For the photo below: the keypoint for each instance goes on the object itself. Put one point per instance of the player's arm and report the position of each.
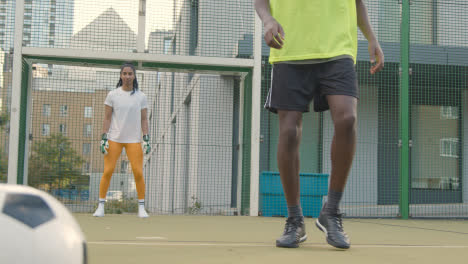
(105, 128)
(375, 52)
(144, 128)
(274, 33)
(144, 121)
(107, 119)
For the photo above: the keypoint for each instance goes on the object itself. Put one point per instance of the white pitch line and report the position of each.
(408, 246)
(179, 244)
(152, 238)
(197, 244)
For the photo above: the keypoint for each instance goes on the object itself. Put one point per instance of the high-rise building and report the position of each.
(47, 23)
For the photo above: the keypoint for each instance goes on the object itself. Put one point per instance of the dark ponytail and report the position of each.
(135, 82)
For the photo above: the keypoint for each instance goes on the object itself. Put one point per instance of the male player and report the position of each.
(313, 52)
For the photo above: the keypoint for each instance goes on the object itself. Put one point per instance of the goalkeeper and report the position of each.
(125, 121)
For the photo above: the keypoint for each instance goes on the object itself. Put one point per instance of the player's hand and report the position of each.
(376, 56)
(146, 144)
(104, 144)
(274, 33)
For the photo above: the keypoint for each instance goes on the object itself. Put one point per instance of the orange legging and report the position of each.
(134, 154)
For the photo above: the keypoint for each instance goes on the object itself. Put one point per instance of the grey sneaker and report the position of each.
(332, 225)
(294, 233)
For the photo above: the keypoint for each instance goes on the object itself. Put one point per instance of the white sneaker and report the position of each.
(99, 211)
(142, 212)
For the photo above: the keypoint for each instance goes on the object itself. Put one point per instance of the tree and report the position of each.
(3, 167)
(54, 164)
(4, 118)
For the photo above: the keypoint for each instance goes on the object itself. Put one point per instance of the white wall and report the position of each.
(465, 146)
(194, 145)
(198, 163)
(452, 23)
(222, 25)
(215, 142)
(361, 188)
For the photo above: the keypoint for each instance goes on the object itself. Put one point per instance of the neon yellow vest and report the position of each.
(315, 29)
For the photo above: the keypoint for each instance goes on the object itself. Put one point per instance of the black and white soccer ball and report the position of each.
(36, 228)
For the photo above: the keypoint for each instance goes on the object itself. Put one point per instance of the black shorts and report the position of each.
(294, 86)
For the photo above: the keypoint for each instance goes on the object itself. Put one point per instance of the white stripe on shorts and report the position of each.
(268, 100)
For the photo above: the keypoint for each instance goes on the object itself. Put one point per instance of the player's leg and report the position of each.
(340, 85)
(290, 133)
(290, 95)
(113, 154)
(135, 155)
(343, 110)
(344, 115)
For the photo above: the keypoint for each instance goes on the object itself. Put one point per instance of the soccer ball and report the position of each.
(36, 228)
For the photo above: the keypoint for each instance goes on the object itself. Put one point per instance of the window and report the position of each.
(63, 129)
(86, 148)
(174, 46)
(449, 147)
(88, 111)
(46, 110)
(88, 130)
(26, 35)
(167, 46)
(45, 129)
(193, 27)
(86, 167)
(449, 112)
(63, 110)
(51, 42)
(123, 166)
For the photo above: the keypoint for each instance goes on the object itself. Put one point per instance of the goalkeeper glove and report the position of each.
(146, 144)
(104, 144)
